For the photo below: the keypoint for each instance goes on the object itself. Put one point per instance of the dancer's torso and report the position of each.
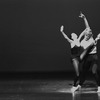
(75, 49)
(85, 44)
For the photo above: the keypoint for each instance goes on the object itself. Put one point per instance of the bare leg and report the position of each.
(85, 52)
(76, 67)
(75, 64)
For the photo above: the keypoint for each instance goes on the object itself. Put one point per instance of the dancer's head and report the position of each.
(73, 36)
(88, 34)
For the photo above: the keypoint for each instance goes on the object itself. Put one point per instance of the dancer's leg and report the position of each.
(96, 76)
(94, 69)
(76, 67)
(76, 64)
(85, 52)
(85, 68)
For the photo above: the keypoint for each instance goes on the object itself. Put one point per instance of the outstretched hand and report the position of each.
(98, 36)
(62, 28)
(81, 15)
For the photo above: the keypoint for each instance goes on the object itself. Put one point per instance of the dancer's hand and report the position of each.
(98, 36)
(82, 15)
(62, 28)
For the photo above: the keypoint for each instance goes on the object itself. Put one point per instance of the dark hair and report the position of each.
(70, 36)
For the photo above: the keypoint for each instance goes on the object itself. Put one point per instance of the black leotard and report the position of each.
(75, 51)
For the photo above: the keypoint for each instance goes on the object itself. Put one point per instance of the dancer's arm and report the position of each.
(86, 24)
(65, 36)
(81, 35)
(85, 20)
(97, 38)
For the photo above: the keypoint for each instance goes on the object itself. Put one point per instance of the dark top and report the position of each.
(75, 51)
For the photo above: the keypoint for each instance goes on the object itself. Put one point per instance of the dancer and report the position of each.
(91, 58)
(90, 61)
(75, 51)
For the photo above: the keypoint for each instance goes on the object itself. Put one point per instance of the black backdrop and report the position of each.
(30, 38)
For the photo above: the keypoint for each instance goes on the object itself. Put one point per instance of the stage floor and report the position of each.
(46, 89)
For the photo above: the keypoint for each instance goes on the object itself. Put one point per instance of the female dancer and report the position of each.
(75, 50)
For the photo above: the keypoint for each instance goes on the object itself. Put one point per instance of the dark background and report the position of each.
(30, 37)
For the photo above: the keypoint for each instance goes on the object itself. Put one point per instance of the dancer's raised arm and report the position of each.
(82, 34)
(66, 37)
(85, 20)
(87, 29)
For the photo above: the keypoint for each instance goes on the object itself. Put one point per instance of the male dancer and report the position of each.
(91, 58)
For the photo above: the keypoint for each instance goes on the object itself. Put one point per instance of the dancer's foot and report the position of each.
(98, 89)
(75, 88)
